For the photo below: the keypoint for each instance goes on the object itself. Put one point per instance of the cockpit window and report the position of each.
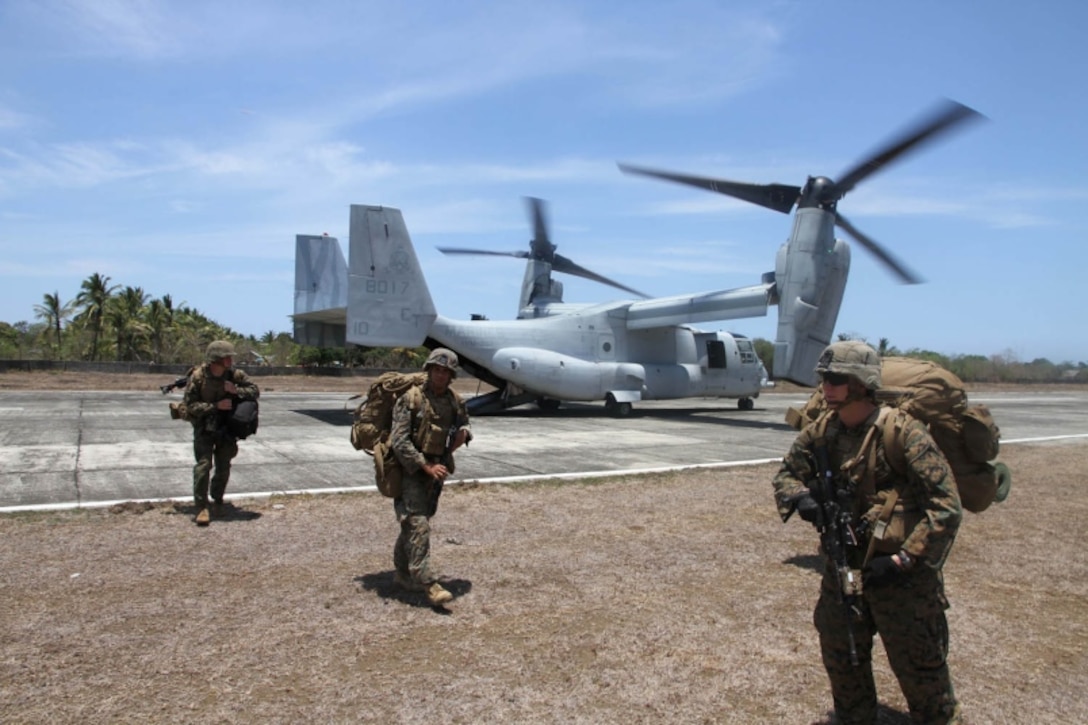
(747, 352)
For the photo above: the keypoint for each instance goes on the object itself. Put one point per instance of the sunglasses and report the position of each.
(835, 378)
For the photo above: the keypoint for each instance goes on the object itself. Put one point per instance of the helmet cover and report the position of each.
(854, 358)
(218, 350)
(443, 358)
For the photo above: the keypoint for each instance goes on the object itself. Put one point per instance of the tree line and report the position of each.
(1000, 368)
(111, 322)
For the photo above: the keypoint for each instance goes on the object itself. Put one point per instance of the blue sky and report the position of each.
(180, 146)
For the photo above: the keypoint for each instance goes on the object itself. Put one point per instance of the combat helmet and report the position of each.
(853, 358)
(443, 358)
(218, 350)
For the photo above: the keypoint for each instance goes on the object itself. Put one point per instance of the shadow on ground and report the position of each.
(806, 561)
(226, 513)
(585, 411)
(381, 583)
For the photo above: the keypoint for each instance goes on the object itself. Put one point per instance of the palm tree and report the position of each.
(126, 316)
(160, 322)
(55, 315)
(195, 331)
(94, 293)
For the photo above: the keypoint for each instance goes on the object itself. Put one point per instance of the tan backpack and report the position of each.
(966, 434)
(372, 423)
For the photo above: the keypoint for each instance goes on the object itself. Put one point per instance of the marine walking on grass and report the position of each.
(430, 422)
(884, 536)
(213, 393)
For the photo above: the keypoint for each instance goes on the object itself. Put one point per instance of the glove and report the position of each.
(807, 508)
(881, 570)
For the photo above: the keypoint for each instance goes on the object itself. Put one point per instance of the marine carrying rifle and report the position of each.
(834, 523)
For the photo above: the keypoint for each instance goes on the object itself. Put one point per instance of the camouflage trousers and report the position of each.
(908, 614)
(210, 449)
(417, 504)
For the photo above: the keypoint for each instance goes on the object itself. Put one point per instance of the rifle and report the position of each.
(178, 382)
(451, 434)
(836, 535)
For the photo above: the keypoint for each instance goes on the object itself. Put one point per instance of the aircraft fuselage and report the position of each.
(588, 354)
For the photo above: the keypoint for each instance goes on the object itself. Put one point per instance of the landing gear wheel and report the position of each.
(549, 405)
(745, 404)
(620, 410)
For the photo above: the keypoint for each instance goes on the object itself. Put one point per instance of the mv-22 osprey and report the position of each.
(619, 352)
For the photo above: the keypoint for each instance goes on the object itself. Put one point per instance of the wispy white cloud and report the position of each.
(995, 206)
(12, 119)
(692, 53)
(113, 266)
(141, 29)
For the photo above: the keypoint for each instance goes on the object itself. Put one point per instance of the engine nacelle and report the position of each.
(810, 274)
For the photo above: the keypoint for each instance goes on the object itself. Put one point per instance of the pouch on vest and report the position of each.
(178, 411)
(388, 473)
(889, 535)
(981, 436)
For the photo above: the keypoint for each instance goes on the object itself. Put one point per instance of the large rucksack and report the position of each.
(966, 434)
(372, 423)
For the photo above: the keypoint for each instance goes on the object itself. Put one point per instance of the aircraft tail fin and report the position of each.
(389, 304)
(321, 291)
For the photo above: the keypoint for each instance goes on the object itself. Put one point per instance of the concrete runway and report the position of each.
(69, 449)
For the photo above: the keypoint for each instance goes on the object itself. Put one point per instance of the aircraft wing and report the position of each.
(704, 307)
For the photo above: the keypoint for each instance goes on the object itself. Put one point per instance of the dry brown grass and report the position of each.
(665, 598)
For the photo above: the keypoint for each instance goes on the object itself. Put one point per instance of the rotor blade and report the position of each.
(458, 250)
(562, 264)
(541, 242)
(559, 264)
(779, 197)
(948, 115)
(905, 275)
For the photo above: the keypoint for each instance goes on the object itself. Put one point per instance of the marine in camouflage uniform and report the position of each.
(428, 426)
(209, 397)
(902, 597)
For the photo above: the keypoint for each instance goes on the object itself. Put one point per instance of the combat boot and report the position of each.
(437, 594)
(203, 517)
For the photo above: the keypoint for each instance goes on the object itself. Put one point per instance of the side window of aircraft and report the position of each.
(715, 354)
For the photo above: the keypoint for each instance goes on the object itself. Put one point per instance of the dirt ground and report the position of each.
(662, 598)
